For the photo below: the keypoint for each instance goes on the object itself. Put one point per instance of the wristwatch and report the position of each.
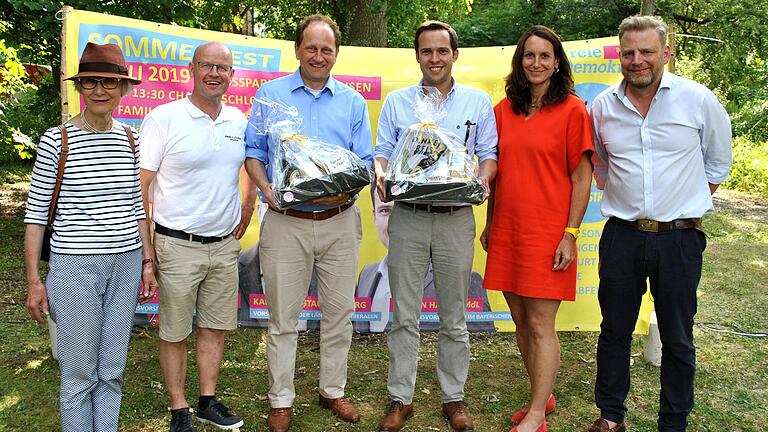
(573, 231)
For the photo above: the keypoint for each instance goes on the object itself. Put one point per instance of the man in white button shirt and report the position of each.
(192, 150)
(663, 146)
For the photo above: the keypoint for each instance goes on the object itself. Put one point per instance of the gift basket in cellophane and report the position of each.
(305, 168)
(429, 162)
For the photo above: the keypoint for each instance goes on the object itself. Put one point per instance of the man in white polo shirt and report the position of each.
(192, 152)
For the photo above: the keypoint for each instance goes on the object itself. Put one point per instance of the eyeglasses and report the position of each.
(207, 67)
(107, 83)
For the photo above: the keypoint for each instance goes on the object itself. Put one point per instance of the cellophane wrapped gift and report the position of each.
(430, 163)
(305, 168)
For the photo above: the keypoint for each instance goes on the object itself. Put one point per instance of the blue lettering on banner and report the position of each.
(311, 315)
(149, 308)
(488, 316)
(366, 316)
(144, 46)
(258, 314)
(377, 316)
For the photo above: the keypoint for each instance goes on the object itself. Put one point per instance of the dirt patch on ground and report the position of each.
(743, 205)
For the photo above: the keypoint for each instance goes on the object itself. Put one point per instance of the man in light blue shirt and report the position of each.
(441, 234)
(664, 146)
(324, 233)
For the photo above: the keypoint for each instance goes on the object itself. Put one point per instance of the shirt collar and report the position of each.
(451, 92)
(192, 109)
(666, 82)
(297, 82)
(382, 268)
(196, 112)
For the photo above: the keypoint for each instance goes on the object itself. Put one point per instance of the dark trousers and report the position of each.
(671, 261)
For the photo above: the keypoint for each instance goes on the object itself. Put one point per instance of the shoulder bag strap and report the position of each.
(130, 139)
(59, 175)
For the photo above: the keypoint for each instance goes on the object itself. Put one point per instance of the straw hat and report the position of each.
(103, 61)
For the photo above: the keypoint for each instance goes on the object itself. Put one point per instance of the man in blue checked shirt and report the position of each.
(443, 234)
(324, 234)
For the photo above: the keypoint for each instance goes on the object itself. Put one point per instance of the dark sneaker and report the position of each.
(181, 421)
(218, 415)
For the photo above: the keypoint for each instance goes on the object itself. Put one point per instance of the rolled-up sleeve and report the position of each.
(43, 178)
(715, 140)
(256, 145)
(362, 137)
(152, 144)
(487, 141)
(138, 203)
(600, 158)
(387, 133)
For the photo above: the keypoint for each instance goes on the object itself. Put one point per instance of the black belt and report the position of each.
(650, 225)
(186, 236)
(317, 215)
(432, 208)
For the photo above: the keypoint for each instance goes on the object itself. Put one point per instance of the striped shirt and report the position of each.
(100, 197)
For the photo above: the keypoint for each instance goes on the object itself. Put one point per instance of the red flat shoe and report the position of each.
(542, 428)
(548, 409)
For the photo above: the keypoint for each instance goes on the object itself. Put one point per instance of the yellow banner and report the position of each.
(159, 55)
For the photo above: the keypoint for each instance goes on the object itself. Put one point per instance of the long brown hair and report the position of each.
(560, 85)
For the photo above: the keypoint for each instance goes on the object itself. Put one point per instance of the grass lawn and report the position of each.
(731, 384)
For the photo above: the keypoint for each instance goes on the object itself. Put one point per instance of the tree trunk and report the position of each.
(366, 23)
(647, 7)
(247, 14)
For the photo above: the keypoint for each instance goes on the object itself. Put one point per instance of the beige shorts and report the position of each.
(199, 279)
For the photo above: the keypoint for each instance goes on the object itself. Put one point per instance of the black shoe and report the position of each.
(181, 421)
(218, 415)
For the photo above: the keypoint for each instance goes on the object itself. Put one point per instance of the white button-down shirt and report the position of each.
(659, 166)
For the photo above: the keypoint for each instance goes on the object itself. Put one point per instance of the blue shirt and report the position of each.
(470, 117)
(338, 115)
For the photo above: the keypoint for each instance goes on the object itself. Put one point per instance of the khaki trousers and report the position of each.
(288, 250)
(415, 238)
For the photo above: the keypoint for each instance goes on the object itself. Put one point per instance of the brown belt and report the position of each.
(318, 215)
(432, 208)
(650, 225)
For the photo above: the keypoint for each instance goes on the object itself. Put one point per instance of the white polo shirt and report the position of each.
(197, 161)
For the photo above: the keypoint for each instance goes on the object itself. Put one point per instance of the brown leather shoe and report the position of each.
(397, 414)
(458, 415)
(342, 408)
(601, 425)
(279, 419)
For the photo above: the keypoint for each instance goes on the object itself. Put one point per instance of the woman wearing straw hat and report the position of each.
(96, 256)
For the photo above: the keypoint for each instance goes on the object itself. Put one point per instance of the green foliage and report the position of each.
(30, 113)
(13, 82)
(501, 22)
(733, 65)
(34, 26)
(749, 171)
(278, 18)
(404, 16)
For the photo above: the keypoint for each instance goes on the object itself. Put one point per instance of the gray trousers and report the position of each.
(415, 238)
(92, 299)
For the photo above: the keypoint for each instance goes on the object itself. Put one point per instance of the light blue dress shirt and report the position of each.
(469, 116)
(336, 115)
(659, 166)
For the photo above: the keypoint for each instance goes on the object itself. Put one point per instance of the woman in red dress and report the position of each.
(536, 206)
